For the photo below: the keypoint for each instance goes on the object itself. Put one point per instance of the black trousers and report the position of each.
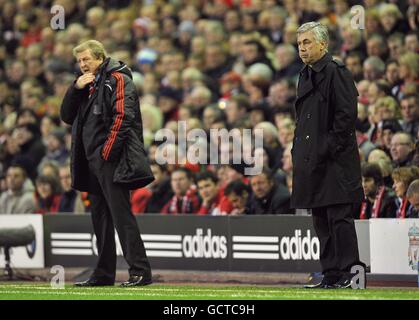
(111, 208)
(335, 228)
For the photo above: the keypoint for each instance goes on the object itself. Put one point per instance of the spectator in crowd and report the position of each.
(47, 195)
(269, 197)
(412, 195)
(386, 130)
(168, 102)
(238, 194)
(236, 110)
(403, 177)
(152, 198)
(213, 199)
(288, 64)
(402, 149)
(381, 158)
(379, 200)
(18, 198)
(185, 199)
(374, 68)
(56, 150)
(30, 145)
(71, 200)
(353, 62)
(410, 114)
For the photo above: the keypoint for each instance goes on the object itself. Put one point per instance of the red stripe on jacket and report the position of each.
(120, 110)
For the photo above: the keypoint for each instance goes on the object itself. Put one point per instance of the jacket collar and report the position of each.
(320, 64)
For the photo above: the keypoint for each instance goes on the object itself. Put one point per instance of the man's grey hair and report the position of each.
(319, 30)
(288, 47)
(376, 63)
(413, 189)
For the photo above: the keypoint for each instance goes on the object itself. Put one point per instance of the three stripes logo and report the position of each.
(77, 244)
(252, 247)
(163, 245)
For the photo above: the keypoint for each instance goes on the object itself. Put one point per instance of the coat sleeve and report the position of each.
(344, 114)
(71, 103)
(123, 112)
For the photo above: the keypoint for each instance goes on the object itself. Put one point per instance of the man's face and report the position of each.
(370, 188)
(309, 49)
(213, 57)
(207, 189)
(180, 183)
(232, 112)
(278, 94)
(411, 42)
(386, 137)
(396, 48)
(400, 147)
(410, 109)
(261, 185)
(374, 47)
(44, 190)
(399, 188)
(354, 65)
(370, 73)
(15, 178)
(392, 73)
(65, 178)
(250, 52)
(157, 173)
(87, 62)
(209, 117)
(238, 202)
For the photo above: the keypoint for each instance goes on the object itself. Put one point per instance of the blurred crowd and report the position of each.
(213, 64)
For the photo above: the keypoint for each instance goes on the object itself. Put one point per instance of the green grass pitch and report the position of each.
(42, 291)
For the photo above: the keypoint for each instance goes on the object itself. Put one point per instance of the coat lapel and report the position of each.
(305, 85)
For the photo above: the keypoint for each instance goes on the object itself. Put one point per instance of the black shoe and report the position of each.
(137, 281)
(321, 282)
(94, 282)
(344, 283)
(320, 285)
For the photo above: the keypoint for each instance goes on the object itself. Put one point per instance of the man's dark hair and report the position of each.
(237, 187)
(268, 173)
(372, 170)
(241, 100)
(52, 181)
(19, 166)
(259, 46)
(410, 96)
(189, 173)
(354, 54)
(207, 175)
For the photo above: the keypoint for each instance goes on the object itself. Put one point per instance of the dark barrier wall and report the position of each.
(186, 242)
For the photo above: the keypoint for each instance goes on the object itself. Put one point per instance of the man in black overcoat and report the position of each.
(327, 172)
(108, 159)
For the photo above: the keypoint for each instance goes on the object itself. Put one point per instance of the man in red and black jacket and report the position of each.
(379, 200)
(108, 158)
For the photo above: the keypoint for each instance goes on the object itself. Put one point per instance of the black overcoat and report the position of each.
(326, 162)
